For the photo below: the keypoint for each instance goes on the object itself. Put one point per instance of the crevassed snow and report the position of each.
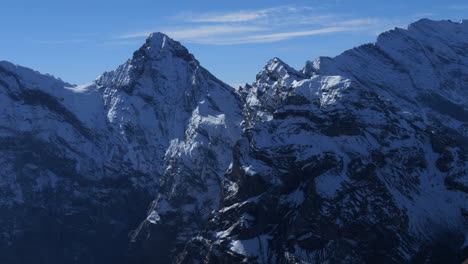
(252, 247)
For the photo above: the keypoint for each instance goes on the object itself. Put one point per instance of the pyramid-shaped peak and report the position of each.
(158, 39)
(159, 44)
(276, 69)
(279, 66)
(157, 35)
(275, 62)
(159, 53)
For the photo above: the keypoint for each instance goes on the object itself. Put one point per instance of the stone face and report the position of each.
(346, 161)
(82, 164)
(361, 158)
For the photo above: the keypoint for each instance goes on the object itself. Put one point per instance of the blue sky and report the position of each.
(79, 40)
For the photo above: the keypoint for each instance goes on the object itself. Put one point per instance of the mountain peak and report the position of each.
(159, 44)
(428, 29)
(159, 160)
(276, 69)
(157, 37)
(157, 40)
(275, 63)
(434, 23)
(158, 51)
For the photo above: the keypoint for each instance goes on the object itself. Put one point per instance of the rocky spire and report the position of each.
(276, 69)
(159, 54)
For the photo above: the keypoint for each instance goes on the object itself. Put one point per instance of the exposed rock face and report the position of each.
(82, 164)
(355, 159)
(361, 158)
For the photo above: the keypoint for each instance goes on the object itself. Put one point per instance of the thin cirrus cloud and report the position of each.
(199, 32)
(358, 22)
(231, 17)
(241, 16)
(266, 38)
(259, 26)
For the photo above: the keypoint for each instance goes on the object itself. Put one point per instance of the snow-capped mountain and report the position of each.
(82, 164)
(361, 158)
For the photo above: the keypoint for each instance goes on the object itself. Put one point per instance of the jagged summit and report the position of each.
(399, 46)
(157, 38)
(426, 22)
(275, 61)
(160, 54)
(360, 158)
(277, 65)
(276, 69)
(424, 29)
(159, 44)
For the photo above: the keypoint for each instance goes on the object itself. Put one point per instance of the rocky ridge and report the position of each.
(360, 158)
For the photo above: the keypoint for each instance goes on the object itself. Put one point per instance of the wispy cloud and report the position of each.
(134, 35)
(287, 35)
(207, 31)
(241, 16)
(268, 38)
(123, 42)
(199, 32)
(357, 22)
(262, 25)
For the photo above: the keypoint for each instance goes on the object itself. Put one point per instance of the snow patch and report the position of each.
(251, 247)
(328, 184)
(153, 217)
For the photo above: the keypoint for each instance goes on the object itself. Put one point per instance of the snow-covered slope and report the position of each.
(81, 164)
(361, 158)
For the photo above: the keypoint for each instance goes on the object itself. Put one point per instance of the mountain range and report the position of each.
(360, 158)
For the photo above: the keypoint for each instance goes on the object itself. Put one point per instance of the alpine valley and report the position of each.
(360, 158)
